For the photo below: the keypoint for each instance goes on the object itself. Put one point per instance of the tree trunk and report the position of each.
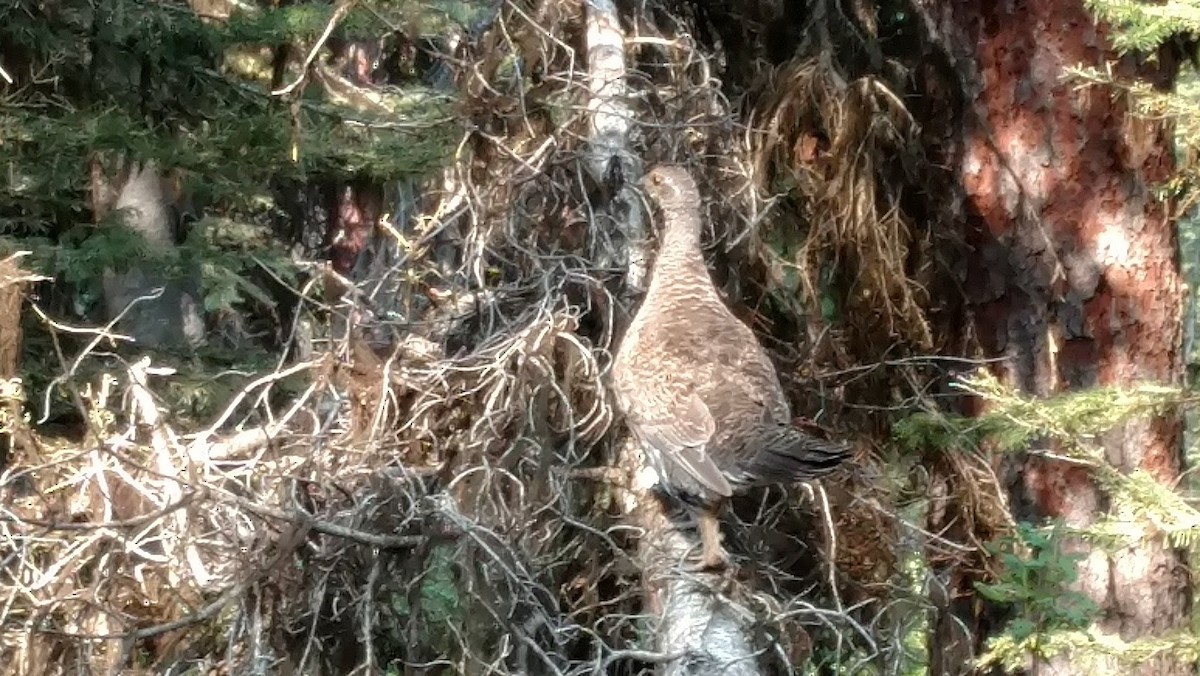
(14, 282)
(1074, 277)
(145, 196)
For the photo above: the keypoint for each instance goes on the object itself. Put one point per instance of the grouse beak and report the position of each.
(651, 179)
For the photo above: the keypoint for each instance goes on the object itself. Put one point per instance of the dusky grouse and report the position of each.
(697, 390)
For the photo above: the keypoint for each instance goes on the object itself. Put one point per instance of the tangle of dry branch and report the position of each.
(440, 496)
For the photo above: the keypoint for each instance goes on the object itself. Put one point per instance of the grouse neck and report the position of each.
(681, 239)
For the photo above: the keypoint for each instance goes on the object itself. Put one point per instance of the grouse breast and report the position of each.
(696, 387)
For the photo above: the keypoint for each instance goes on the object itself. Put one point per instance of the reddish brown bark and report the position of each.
(357, 204)
(356, 209)
(1074, 276)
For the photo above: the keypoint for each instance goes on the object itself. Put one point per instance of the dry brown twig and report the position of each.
(438, 503)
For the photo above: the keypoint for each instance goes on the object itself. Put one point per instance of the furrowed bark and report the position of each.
(1074, 278)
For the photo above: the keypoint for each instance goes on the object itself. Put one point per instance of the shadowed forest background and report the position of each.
(307, 310)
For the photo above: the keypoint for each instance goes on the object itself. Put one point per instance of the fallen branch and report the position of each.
(121, 524)
(310, 523)
(705, 630)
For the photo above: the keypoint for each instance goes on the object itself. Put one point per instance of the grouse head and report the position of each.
(675, 193)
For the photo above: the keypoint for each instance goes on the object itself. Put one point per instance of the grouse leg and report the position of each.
(713, 556)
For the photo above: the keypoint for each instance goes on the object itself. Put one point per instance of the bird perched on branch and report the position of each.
(697, 390)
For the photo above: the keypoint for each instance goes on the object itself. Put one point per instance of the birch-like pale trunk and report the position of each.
(698, 632)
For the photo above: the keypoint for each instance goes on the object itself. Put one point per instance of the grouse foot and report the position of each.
(713, 557)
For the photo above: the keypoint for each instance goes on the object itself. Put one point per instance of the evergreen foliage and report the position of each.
(157, 81)
(1143, 26)
(1035, 575)
(1146, 29)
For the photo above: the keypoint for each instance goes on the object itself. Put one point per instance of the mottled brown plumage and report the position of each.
(696, 388)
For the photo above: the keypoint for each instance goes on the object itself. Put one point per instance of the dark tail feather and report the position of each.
(783, 454)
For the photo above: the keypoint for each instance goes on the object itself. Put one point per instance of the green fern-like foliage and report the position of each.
(1035, 577)
(441, 605)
